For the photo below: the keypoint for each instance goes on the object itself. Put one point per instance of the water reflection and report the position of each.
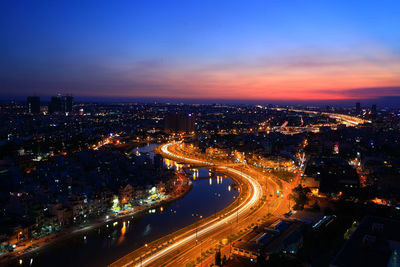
(147, 230)
(108, 242)
(123, 231)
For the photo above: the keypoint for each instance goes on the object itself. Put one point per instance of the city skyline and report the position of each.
(203, 51)
(199, 133)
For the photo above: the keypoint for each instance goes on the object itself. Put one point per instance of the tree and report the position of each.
(299, 195)
(218, 258)
(224, 260)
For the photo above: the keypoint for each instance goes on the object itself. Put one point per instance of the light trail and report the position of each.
(352, 120)
(165, 147)
(251, 200)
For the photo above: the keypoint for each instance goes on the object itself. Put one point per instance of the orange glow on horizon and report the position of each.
(329, 76)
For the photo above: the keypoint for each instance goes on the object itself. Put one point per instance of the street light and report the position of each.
(200, 217)
(230, 245)
(19, 235)
(201, 255)
(141, 262)
(237, 207)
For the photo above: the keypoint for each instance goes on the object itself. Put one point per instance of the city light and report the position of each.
(200, 133)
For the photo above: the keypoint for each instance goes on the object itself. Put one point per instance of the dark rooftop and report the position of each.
(372, 244)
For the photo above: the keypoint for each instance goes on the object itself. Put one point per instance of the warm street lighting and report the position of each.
(200, 217)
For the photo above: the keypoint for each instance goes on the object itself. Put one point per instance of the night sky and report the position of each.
(237, 50)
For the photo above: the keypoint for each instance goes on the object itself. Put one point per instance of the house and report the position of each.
(125, 194)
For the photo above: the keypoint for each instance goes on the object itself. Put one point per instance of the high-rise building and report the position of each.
(33, 104)
(179, 123)
(55, 104)
(358, 108)
(61, 104)
(68, 103)
(373, 109)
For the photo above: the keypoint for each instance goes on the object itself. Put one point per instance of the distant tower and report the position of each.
(62, 104)
(373, 109)
(33, 104)
(68, 102)
(55, 104)
(358, 108)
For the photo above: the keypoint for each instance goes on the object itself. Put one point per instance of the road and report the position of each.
(345, 119)
(190, 245)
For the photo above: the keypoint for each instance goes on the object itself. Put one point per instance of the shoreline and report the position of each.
(153, 246)
(50, 240)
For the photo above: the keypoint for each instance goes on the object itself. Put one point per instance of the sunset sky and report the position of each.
(239, 50)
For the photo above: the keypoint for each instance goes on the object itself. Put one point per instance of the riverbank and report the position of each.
(109, 242)
(36, 245)
(152, 247)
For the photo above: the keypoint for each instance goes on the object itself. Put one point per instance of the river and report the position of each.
(104, 244)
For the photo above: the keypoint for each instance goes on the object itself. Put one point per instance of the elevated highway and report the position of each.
(188, 246)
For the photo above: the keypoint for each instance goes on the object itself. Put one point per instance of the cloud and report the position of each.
(305, 75)
(365, 93)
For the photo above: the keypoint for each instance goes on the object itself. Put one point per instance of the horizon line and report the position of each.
(387, 101)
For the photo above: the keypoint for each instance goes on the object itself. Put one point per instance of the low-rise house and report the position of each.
(125, 194)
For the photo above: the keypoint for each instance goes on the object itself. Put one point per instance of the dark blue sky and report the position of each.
(267, 50)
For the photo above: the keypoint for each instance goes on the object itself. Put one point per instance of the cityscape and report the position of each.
(200, 133)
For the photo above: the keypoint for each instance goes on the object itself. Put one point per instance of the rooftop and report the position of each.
(375, 242)
(269, 238)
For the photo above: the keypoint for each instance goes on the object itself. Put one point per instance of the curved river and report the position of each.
(104, 244)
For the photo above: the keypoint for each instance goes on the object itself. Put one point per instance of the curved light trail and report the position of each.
(346, 119)
(245, 206)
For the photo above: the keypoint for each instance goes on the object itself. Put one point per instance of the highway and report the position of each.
(216, 224)
(345, 119)
(187, 247)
